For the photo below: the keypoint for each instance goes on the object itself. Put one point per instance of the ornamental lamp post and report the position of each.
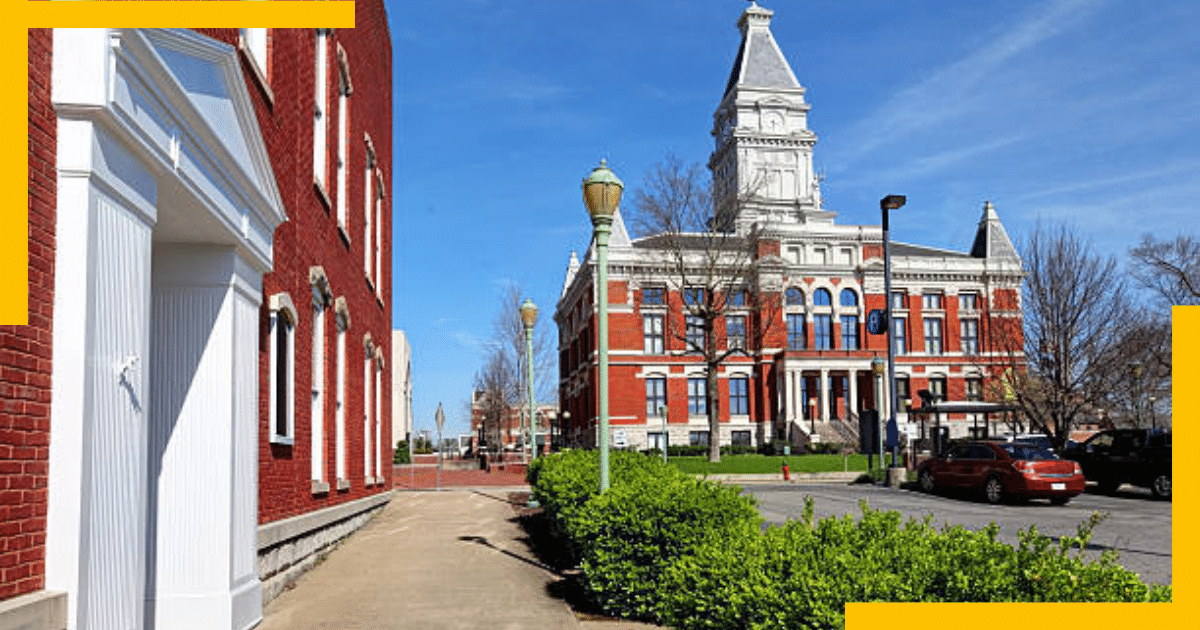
(601, 195)
(529, 318)
(1153, 416)
(878, 366)
(1136, 370)
(565, 419)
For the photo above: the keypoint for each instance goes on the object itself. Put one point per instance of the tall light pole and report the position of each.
(886, 205)
(601, 195)
(529, 318)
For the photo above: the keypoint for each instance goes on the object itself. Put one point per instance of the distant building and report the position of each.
(401, 388)
(203, 208)
(809, 378)
(506, 428)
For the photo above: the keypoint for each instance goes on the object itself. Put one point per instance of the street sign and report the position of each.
(440, 418)
(620, 439)
(877, 321)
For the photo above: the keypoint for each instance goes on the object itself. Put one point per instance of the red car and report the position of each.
(1003, 471)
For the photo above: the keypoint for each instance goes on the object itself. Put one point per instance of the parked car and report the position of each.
(1003, 470)
(1141, 457)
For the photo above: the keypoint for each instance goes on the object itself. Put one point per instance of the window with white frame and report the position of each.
(793, 297)
(321, 111)
(973, 389)
(849, 332)
(282, 326)
(343, 325)
(343, 142)
(652, 334)
(368, 430)
(317, 417)
(694, 333)
(968, 301)
(739, 395)
(937, 387)
(697, 396)
(822, 331)
(368, 211)
(656, 395)
(254, 41)
(931, 301)
(735, 331)
(740, 438)
(693, 296)
(970, 335)
(795, 331)
(933, 335)
(653, 296)
(698, 438)
(379, 450)
(379, 236)
(899, 333)
(899, 300)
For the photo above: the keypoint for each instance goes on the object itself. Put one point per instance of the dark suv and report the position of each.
(1141, 457)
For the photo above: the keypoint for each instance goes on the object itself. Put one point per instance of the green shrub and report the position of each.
(632, 534)
(400, 456)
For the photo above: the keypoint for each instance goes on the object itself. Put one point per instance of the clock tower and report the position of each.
(762, 164)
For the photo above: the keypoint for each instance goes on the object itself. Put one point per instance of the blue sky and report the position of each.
(1082, 111)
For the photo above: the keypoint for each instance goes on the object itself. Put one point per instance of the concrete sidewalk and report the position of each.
(429, 560)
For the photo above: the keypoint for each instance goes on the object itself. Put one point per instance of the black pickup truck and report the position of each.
(1141, 457)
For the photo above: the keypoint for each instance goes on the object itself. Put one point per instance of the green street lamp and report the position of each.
(878, 366)
(529, 318)
(886, 205)
(1136, 370)
(601, 195)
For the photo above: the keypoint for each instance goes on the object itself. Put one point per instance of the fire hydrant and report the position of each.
(786, 471)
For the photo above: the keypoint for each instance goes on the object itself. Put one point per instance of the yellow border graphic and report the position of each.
(14, 289)
(14, 219)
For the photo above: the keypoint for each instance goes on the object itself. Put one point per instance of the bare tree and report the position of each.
(502, 383)
(493, 388)
(1076, 314)
(1170, 269)
(715, 270)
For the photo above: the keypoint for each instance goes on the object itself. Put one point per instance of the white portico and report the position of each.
(167, 205)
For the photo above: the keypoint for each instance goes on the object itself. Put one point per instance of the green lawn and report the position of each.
(745, 464)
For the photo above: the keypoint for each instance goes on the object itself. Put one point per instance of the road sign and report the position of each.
(440, 418)
(877, 321)
(620, 439)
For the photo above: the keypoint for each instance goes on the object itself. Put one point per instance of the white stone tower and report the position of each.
(762, 164)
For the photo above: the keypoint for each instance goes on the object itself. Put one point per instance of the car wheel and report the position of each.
(993, 490)
(926, 481)
(1161, 486)
(1059, 500)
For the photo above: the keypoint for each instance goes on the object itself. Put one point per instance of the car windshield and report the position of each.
(1027, 452)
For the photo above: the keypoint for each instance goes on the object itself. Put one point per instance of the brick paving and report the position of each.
(425, 477)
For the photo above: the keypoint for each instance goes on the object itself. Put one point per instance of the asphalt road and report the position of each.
(1138, 527)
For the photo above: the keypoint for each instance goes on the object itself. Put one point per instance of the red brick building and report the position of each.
(209, 271)
(807, 287)
(508, 431)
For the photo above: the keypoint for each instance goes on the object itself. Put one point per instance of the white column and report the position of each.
(203, 486)
(95, 522)
(852, 403)
(823, 388)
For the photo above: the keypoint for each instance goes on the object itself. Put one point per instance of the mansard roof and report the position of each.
(991, 239)
(760, 63)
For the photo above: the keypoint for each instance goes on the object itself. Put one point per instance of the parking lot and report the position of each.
(1138, 526)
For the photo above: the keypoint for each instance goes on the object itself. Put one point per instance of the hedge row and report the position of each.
(662, 546)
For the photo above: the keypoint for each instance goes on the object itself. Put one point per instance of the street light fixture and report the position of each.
(529, 318)
(601, 195)
(887, 204)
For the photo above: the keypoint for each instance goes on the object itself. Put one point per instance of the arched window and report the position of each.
(793, 297)
(849, 297)
(821, 297)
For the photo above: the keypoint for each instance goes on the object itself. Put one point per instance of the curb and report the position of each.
(797, 478)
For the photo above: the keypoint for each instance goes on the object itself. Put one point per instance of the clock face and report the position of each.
(877, 321)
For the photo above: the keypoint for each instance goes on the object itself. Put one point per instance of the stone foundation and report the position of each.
(288, 548)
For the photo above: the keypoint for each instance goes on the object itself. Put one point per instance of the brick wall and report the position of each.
(25, 355)
(311, 237)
